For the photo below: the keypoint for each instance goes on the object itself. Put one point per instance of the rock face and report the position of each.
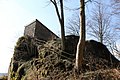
(34, 59)
(99, 50)
(25, 50)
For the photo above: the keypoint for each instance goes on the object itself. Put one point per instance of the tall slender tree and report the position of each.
(100, 23)
(81, 43)
(61, 20)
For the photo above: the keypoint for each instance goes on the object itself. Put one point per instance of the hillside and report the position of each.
(35, 59)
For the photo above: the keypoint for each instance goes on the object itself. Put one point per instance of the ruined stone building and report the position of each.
(37, 30)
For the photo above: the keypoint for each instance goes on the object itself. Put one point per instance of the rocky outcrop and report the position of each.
(38, 60)
(24, 52)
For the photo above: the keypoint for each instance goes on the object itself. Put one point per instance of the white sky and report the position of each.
(14, 15)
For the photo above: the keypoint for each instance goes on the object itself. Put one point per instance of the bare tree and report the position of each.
(101, 26)
(81, 43)
(100, 23)
(116, 6)
(73, 25)
(60, 15)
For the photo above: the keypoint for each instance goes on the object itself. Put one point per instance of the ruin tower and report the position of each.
(37, 30)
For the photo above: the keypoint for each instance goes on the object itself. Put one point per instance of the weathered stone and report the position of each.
(37, 30)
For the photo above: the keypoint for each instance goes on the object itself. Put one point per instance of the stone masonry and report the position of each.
(37, 30)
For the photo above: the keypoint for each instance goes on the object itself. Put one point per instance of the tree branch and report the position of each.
(56, 8)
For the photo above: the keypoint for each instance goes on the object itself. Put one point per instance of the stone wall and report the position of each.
(43, 33)
(38, 30)
(30, 29)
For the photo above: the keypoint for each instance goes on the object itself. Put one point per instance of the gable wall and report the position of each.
(43, 32)
(30, 29)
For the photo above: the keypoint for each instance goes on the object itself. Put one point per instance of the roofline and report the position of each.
(31, 22)
(36, 20)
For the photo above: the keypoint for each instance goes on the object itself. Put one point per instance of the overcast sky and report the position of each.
(14, 15)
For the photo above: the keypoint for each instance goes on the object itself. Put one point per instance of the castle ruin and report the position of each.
(37, 30)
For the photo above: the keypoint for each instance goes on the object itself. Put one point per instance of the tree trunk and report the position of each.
(61, 20)
(62, 25)
(81, 43)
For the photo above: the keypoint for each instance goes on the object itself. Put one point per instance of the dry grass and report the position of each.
(3, 77)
